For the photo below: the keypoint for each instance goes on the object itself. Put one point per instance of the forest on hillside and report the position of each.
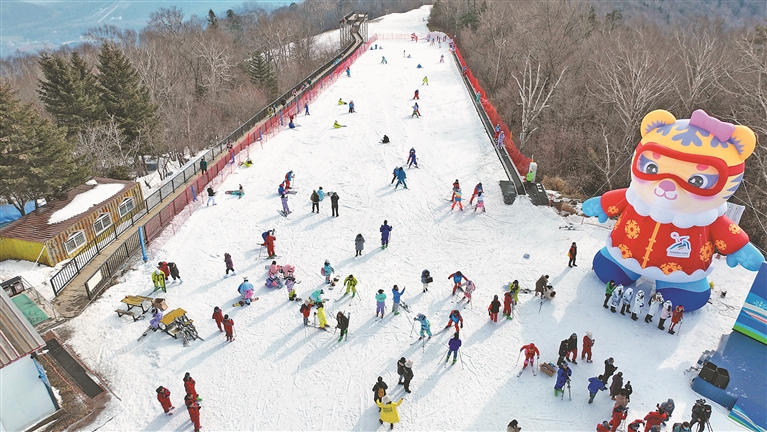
(573, 85)
(163, 92)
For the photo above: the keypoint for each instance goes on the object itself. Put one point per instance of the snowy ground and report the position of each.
(278, 375)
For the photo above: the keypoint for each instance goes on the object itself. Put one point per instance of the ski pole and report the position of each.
(412, 328)
(460, 357)
(518, 355)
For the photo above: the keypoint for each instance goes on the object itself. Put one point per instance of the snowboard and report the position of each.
(334, 281)
(233, 192)
(244, 303)
(568, 227)
(296, 299)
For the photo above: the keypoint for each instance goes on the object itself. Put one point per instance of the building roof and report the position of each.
(36, 226)
(17, 336)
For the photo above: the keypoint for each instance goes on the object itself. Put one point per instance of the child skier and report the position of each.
(246, 291)
(563, 377)
(655, 303)
(626, 300)
(174, 272)
(480, 203)
(416, 111)
(508, 299)
(425, 81)
(457, 199)
(572, 253)
(411, 159)
(493, 309)
(665, 313)
(531, 354)
(454, 345)
(415, 95)
(477, 191)
(588, 342)
(326, 271)
(315, 297)
(389, 413)
(163, 396)
(676, 318)
(426, 279)
(288, 179)
(455, 319)
(359, 244)
(228, 328)
(638, 304)
(385, 232)
(425, 325)
(351, 284)
(218, 315)
(342, 323)
(456, 186)
(470, 287)
(351, 107)
(229, 264)
(595, 385)
(285, 209)
(401, 176)
(457, 280)
(306, 309)
(380, 303)
(348, 72)
(396, 294)
(337, 125)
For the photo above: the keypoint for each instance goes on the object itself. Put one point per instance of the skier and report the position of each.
(531, 353)
(615, 298)
(246, 291)
(595, 385)
(654, 418)
(497, 129)
(383, 60)
(351, 107)
(203, 166)
(567, 347)
(454, 344)
(321, 315)
(385, 233)
(158, 278)
(456, 186)
(348, 72)
(281, 189)
(163, 266)
(456, 200)
(415, 95)
(477, 190)
(359, 244)
(411, 159)
(342, 322)
(442, 58)
(501, 138)
(290, 280)
(665, 313)
(676, 318)
(389, 413)
(408, 375)
(351, 284)
(508, 299)
(416, 111)
(426, 279)
(619, 414)
(588, 342)
(315, 296)
(189, 384)
(229, 263)
(655, 303)
(572, 254)
(396, 294)
(609, 370)
(470, 288)
(379, 390)
(337, 125)
(455, 319)
(493, 309)
(394, 175)
(211, 197)
(616, 385)
(701, 412)
(334, 204)
(285, 209)
(608, 292)
(637, 305)
(480, 203)
(288, 179)
(425, 80)
(315, 198)
(563, 377)
(540, 285)
(174, 272)
(380, 303)
(327, 270)
(229, 328)
(626, 299)
(425, 325)
(163, 395)
(457, 279)
(306, 309)
(514, 290)
(401, 176)
(681, 427)
(194, 412)
(218, 315)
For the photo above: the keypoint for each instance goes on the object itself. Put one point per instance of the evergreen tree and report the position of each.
(261, 73)
(212, 19)
(69, 93)
(125, 99)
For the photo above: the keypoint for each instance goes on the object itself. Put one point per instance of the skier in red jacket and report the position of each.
(194, 412)
(603, 427)
(163, 266)
(306, 309)
(676, 318)
(189, 386)
(163, 395)
(269, 243)
(455, 318)
(619, 414)
(218, 315)
(508, 299)
(653, 418)
(531, 351)
(229, 328)
(588, 342)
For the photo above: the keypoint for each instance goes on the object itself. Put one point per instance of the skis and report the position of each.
(282, 213)
(245, 302)
(405, 306)
(146, 332)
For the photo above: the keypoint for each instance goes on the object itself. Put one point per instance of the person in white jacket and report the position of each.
(655, 302)
(665, 313)
(615, 300)
(637, 305)
(627, 294)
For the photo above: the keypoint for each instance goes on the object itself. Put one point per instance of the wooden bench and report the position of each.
(121, 312)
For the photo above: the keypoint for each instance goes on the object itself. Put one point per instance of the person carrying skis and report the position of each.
(351, 285)
(455, 319)
(655, 303)
(588, 342)
(228, 328)
(531, 353)
(389, 413)
(470, 287)
(163, 396)
(563, 377)
(676, 318)
(189, 384)
(416, 111)
(456, 200)
(477, 191)
(285, 209)
(408, 375)
(415, 95)
(315, 198)
(508, 299)
(626, 299)
(426, 279)
(493, 309)
(218, 315)
(595, 385)
(359, 244)
(411, 159)
(396, 294)
(385, 232)
(453, 345)
(608, 292)
(379, 390)
(401, 176)
(211, 197)
(193, 408)
(158, 279)
(229, 263)
(425, 325)
(306, 309)
(327, 270)
(380, 303)
(342, 323)
(665, 313)
(321, 315)
(638, 304)
(457, 280)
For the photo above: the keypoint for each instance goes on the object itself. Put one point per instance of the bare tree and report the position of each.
(701, 55)
(534, 93)
(106, 148)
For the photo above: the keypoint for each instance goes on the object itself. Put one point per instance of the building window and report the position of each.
(75, 241)
(126, 206)
(103, 222)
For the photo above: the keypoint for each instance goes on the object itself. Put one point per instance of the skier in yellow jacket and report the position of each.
(158, 278)
(389, 412)
(351, 285)
(321, 315)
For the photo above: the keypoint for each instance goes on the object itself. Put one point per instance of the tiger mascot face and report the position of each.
(687, 167)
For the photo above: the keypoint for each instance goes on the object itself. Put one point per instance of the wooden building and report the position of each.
(60, 228)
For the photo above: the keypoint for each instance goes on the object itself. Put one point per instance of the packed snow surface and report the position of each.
(84, 201)
(279, 375)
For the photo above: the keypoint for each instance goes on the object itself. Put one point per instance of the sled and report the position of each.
(234, 192)
(549, 369)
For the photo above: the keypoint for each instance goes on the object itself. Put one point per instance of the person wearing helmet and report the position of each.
(401, 176)
(563, 376)
(425, 325)
(246, 291)
(411, 159)
(327, 270)
(493, 309)
(531, 353)
(477, 190)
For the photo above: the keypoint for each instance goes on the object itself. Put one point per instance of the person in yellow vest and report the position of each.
(389, 412)
(158, 278)
(351, 285)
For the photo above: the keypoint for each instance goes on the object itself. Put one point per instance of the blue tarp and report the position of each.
(9, 213)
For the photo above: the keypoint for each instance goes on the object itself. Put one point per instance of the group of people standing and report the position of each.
(191, 400)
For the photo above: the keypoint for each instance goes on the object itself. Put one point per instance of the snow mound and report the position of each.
(84, 201)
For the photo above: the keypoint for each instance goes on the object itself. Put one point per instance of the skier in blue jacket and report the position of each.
(457, 277)
(401, 178)
(315, 297)
(425, 325)
(595, 385)
(385, 231)
(281, 189)
(380, 303)
(321, 193)
(411, 159)
(395, 295)
(327, 270)
(563, 376)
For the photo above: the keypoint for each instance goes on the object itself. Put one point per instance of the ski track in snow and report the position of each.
(278, 375)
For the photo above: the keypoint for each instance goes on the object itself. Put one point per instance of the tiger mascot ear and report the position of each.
(656, 119)
(744, 140)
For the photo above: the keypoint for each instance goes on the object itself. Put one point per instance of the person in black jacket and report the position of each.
(567, 347)
(408, 374)
(174, 271)
(333, 204)
(343, 324)
(400, 369)
(701, 412)
(315, 198)
(494, 308)
(609, 370)
(379, 390)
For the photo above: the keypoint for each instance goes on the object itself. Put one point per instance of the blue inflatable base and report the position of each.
(607, 269)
